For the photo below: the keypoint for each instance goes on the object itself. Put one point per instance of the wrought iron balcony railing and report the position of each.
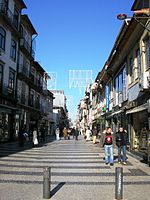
(13, 19)
(25, 44)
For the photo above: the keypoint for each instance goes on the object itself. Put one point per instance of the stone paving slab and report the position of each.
(78, 172)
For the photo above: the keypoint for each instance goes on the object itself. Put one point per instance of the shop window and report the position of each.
(4, 126)
(2, 38)
(13, 50)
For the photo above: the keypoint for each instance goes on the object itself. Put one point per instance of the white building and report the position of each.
(60, 109)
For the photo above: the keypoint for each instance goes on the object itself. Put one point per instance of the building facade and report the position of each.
(24, 98)
(10, 19)
(122, 95)
(60, 111)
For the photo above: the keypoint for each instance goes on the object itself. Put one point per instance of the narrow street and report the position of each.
(78, 172)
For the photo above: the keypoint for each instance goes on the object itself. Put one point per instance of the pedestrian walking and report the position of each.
(65, 133)
(57, 132)
(69, 133)
(76, 133)
(94, 133)
(88, 134)
(21, 137)
(108, 146)
(121, 142)
(73, 132)
(42, 130)
(35, 138)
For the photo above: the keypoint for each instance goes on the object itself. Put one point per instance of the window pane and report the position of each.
(138, 56)
(11, 79)
(1, 74)
(147, 53)
(13, 50)
(2, 38)
(131, 70)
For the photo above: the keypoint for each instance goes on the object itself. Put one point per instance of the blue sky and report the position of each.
(75, 35)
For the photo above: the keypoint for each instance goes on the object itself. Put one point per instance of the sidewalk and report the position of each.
(78, 172)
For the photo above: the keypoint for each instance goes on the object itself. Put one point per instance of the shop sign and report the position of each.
(107, 97)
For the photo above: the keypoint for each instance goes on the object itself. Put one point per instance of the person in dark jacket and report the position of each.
(42, 130)
(76, 133)
(121, 142)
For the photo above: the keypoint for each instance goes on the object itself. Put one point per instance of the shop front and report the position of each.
(139, 121)
(6, 124)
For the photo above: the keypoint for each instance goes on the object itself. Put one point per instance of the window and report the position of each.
(118, 96)
(13, 50)
(1, 76)
(120, 83)
(147, 44)
(31, 98)
(116, 86)
(4, 6)
(138, 60)
(131, 67)
(11, 82)
(16, 18)
(2, 38)
(124, 76)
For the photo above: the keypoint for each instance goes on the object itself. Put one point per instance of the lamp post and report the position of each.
(145, 11)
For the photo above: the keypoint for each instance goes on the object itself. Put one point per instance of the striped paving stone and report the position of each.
(78, 172)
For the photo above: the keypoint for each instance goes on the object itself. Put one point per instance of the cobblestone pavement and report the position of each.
(78, 172)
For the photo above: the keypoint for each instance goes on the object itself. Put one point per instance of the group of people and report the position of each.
(91, 135)
(66, 133)
(120, 140)
(108, 139)
(34, 136)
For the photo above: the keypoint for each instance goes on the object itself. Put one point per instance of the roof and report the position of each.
(26, 21)
(21, 4)
(38, 66)
(139, 4)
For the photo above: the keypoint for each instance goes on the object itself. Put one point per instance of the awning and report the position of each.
(115, 113)
(138, 109)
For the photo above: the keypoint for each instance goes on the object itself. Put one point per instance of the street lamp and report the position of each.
(145, 11)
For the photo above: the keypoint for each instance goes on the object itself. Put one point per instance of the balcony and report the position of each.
(10, 18)
(22, 69)
(31, 102)
(37, 105)
(23, 99)
(27, 49)
(8, 92)
(25, 45)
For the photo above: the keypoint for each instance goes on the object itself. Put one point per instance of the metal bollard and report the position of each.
(46, 183)
(119, 183)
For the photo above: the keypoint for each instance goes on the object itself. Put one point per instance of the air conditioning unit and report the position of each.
(144, 81)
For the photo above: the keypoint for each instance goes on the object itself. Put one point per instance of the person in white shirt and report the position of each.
(57, 132)
(88, 134)
(35, 137)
